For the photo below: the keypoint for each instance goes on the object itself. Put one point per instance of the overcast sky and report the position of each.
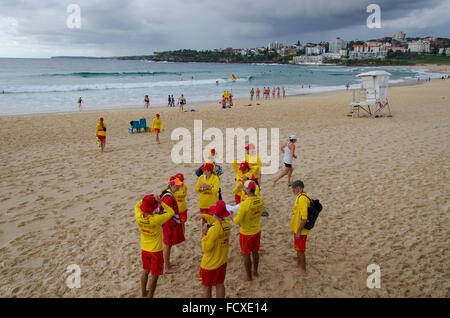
(135, 27)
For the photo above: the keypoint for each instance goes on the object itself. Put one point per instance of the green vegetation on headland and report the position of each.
(219, 57)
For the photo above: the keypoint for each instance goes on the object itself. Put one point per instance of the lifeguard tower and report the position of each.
(372, 98)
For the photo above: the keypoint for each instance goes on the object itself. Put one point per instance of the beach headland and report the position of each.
(383, 182)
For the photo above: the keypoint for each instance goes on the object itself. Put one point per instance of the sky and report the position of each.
(39, 29)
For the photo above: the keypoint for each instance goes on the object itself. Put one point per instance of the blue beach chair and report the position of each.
(143, 124)
(134, 125)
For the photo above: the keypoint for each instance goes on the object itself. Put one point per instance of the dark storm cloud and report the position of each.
(141, 27)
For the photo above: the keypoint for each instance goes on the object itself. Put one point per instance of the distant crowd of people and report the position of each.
(266, 93)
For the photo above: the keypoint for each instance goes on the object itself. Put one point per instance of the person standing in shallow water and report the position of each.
(146, 101)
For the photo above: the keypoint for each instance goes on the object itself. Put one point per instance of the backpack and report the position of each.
(313, 212)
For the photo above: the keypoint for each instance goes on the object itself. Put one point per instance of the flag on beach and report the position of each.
(233, 77)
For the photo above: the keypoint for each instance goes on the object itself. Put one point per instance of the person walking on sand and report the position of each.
(347, 85)
(278, 92)
(146, 101)
(257, 93)
(215, 245)
(273, 93)
(207, 186)
(169, 101)
(289, 153)
(248, 218)
(180, 195)
(182, 102)
(101, 133)
(157, 126)
(252, 92)
(151, 214)
(172, 229)
(284, 93)
(299, 217)
(80, 103)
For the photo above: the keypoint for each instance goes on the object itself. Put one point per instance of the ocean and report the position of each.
(34, 86)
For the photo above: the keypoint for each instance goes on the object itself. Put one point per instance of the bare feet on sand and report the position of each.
(171, 270)
(245, 278)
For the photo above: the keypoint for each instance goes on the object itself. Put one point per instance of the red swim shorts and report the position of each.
(183, 216)
(153, 261)
(300, 244)
(156, 129)
(213, 277)
(205, 211)
(101, 137)
(249, 243)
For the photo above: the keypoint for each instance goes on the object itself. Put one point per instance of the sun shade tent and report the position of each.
(373, 99)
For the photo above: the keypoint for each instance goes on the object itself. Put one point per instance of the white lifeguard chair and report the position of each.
(372, 98)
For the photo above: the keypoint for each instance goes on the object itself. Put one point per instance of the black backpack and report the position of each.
(313, 212)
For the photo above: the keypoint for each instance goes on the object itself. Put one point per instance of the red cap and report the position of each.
(213, 151)
(219, 209)
(208, 166)
(101, 118)
(250, 146)
(175, 181)
(157, 115)
(179, 176)
(243, 166)
(149, 204)
(250, 185)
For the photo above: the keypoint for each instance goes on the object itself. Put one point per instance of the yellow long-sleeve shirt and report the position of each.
(299, 213)
(249, 215)
(157, 123)
(208, 198)
(151, 227)
(215, 244)
(255, 164)
(99, 130)
(180, 196)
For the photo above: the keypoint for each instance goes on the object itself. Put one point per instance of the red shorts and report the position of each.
(213, 277)
(249, 243)
(300, 244)
(157, 129)
(153, 261)
(205, 211)
(237, 198)
(101, 137)
(183, 216)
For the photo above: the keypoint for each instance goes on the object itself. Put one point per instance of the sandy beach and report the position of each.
(383, 183)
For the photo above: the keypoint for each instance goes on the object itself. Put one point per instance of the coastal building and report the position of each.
(275, 46)
(308, 59)
(287, 50)
(334, 46)
(400, 36)
(368, 50)
(419, 46)
(398, 49)
(343, 52)
(314, 50)
(332, 56)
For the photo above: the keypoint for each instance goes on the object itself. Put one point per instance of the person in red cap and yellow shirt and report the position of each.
(208, 186)
(215, 246)
(248, 218)
(180, 195)
(157, 126)
(172, 230)
(254, 161)
(101, 133)
(150, 217)
(240, 169)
